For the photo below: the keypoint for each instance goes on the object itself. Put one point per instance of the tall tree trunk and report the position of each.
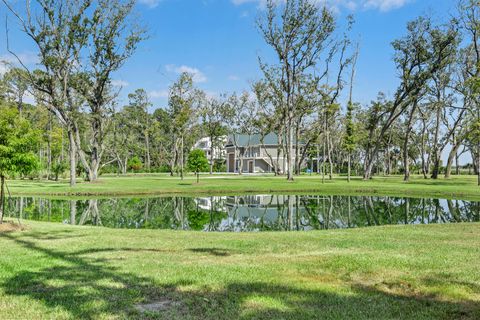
(173, 161)
(406, 165)
(435, 153)
(478, 162)
(290, 147)
(323, 159)
(457, 164)
(279, 152)
(2, 197)
(370, 161)
(330, 163)
(298, 158)
(211, 155)
(241, 154)
(473, 153)
(451, 156)
(349, 164)
(181, 158)
(147, 150)
(95, 152)
(49, 146)
(72, 153)
(422, 150)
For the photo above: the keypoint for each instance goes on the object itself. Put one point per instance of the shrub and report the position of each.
(135, 164)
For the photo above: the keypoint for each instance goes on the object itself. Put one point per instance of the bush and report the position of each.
(59, 168)
(135, 164)
(220, 166)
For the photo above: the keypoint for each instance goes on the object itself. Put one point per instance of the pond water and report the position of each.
(246, 213)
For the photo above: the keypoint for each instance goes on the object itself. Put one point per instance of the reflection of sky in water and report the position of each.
(246, 213)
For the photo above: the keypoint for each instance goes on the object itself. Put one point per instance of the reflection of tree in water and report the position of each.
(246, 213)
(91, 213)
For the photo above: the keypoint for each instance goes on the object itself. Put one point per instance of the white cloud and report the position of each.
(239, 2)
(120, 83)
(27, 58)
(382, 5)
(8, 60)
(158, 94)
(197, 75)
(150, 3)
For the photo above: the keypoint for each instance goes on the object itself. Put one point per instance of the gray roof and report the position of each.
(243, 140)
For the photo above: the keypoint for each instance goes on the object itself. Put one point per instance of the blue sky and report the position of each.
(217, 41)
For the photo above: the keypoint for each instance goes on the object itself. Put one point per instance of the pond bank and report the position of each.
(458, 187)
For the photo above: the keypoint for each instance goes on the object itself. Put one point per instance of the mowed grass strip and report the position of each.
(464, 187)
(54, 271)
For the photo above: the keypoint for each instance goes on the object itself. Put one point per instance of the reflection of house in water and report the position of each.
(211, 203)
(261, 211)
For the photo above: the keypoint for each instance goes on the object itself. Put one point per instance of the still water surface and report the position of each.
(246, 213)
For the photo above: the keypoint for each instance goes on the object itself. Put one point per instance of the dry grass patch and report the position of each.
(9, 226)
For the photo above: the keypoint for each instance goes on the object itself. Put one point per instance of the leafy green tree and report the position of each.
(135, 164)
(214, 113)
(181, 102)
(17, 140)
(16, 81)
(424, 51)
(140, 120)
(197, 162)
(470, 18)
(162, 142)
(58, 169)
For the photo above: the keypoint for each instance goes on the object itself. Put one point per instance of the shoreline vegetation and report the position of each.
(457, 187)
(397, 272)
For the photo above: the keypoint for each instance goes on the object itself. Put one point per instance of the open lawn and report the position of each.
(464, 187)
(401, 272)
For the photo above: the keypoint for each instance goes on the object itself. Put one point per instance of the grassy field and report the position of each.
(457, 187)
(402, 272)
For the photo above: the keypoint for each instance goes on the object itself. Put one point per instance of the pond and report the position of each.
(246, 213)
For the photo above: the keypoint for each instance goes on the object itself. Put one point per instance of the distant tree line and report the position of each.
(305, 96)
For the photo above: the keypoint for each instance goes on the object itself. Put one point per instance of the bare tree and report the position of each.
(80, 44)
(298, 31)
(58, 30)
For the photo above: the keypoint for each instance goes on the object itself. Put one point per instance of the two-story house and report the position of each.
(252, 154)
(205, 144)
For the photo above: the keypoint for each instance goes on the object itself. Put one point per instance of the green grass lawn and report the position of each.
(54, 271)
(156, 184)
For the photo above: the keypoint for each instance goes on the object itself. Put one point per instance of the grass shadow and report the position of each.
(91, 288)
(218, 252)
